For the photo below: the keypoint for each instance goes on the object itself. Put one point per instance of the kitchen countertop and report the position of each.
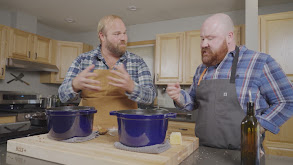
(201, 156)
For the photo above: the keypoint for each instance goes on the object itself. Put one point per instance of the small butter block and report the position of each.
(176, 138)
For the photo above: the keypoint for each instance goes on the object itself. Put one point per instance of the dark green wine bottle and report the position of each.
(250, 138)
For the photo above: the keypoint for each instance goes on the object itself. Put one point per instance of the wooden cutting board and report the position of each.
(97, 151)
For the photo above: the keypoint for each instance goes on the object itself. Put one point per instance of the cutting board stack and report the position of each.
(97, 151)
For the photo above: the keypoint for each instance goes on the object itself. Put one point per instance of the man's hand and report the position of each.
(173, 90)
(81, 81)
(123, 81)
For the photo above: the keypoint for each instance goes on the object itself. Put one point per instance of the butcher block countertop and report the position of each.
(100, 150)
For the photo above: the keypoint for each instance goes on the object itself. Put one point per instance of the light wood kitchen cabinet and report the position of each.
(64, 54)
(7, 119)
(87, 48)
(169, 56)
(3, 49)
(276, 39)
(28, 46)
(179, 54)
(186, 128)
(20, 45)
(192, 57)
(42, 49)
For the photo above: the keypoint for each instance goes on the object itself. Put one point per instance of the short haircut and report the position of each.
(105, 21)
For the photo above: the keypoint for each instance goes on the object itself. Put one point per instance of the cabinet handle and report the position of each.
(36, 55)
(157, 77)
(29, 54)
(2, 71)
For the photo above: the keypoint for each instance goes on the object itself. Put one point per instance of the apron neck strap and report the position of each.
(202, 74)
(234, 66)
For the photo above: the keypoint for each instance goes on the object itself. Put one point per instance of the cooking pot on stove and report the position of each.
(50, 101)
(137, 128)
(39, 119)
(70, 121)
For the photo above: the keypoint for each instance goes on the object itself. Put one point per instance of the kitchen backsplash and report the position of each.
(33, 78)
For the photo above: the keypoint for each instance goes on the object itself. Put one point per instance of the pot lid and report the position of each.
(143, 114)
(70, 110)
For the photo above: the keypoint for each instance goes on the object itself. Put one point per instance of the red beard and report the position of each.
(211, 58)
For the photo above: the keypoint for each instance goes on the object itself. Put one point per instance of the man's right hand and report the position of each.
(173, 90)
(81, 81)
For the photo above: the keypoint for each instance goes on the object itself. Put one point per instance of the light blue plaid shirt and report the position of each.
(271, 90)
(144, 91)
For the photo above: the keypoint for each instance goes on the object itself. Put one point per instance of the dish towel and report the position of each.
(153, 149)
(82, 139)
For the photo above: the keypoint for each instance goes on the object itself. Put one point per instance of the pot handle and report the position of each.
(113, 113)
(171, 115)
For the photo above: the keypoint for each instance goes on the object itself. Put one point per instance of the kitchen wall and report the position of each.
(138, 32)
(33, 78)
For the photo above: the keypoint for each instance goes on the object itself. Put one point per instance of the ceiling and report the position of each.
(87, 13)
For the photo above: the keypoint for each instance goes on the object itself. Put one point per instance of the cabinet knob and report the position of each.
(36, 55)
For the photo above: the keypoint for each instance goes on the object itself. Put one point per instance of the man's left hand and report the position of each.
(123, 81)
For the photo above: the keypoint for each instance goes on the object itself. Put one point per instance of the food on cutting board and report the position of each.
(176, 138)
(102, 131)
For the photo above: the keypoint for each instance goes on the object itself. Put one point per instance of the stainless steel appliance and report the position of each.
(23, 105)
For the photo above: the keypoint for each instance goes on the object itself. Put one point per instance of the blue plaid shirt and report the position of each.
(144, 91)
(271, 90)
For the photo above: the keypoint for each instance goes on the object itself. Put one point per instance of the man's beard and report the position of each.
(118, 49)
(214, 57)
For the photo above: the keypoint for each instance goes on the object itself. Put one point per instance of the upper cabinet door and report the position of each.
(238, 35)
(169, 53)
(3, 49)
(42, 49)
(276, 38)
(63, 54)
(66, 53)
(192, 57)
(87, 48)
(20, 45)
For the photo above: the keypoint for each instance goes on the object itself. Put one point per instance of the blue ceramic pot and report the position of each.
(70, 121)
(138, 128)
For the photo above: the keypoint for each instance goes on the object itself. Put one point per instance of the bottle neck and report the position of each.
(250, 108)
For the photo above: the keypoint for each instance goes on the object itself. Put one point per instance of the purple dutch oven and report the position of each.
(138, 128)
(70, 121)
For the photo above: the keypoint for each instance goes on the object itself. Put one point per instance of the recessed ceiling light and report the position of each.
(69, 20)
(132, 8)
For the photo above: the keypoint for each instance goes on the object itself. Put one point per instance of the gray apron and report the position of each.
(218, 123)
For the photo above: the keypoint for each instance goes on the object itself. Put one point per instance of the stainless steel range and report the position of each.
(23, 106)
